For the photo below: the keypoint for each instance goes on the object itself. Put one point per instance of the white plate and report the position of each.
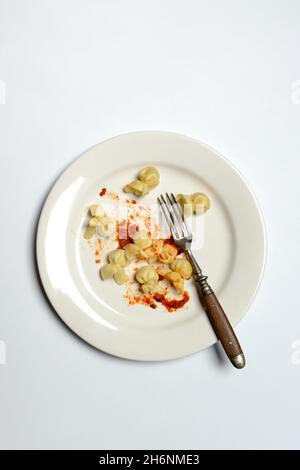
(233, 253)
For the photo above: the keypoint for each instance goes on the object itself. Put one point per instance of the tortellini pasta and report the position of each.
(174, 270)
(148, 278)
(150, 176)
(158, 246)
(116, 262)
(142, 242)
(152, 252)
(97, 213)
(197, 203)
(118, 257)
(89, 232)
(151, 288)
(107, 227)
(201, 203)
(186, 203)
(164, 267)
(146, 274)
(147, 179)
(183, 267)
(131, 251)
(94, 221)
(144, 248)
(136, 187)
(108, 271)
(120, 276)
(168, 253)
(163, 270)
(177, 281)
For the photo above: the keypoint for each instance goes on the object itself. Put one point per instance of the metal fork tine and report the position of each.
(173, 226)
(180, 213)
(166, 214)
(178, 222)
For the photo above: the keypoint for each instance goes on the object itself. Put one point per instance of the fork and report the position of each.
(183, 237)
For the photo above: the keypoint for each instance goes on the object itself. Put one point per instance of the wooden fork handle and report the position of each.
(223, 329)
(217, 316)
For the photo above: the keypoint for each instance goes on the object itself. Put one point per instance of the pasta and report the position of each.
(201, 203)
(147, 179)
(196, 203)
(142, 242)
(163, 270)
(186, 203)
(89, 232)
(150, 176)
(157, 246)
(97, 211)
(175, 270)
(164, 267)
(168, 253)
(114, 268)
(118, 258)
(106, 227)
(138, 188)
(151, 288)
(131, 251)
(183, 267)
(146, 274)
(94, 221)
(148, 278)
(120, 276)
(108, 271)
(176, 280)
(151, 253)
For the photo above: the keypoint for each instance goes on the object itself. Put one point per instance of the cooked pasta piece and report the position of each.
(151, 288)
(168, 253)
(177, 281)
(146, 274)
(152, 252)
(94, 222)
(89, 232)
(138, 188)
(196, 203)
(186, 203)
(183, 267)
(163, 270)
(97, 211)
(201, 203)
(157, 246)
(108, 271)
(131, 251)
(142, 241)
(117, 257)
(120, 276)
(150, 176)
(107, 227)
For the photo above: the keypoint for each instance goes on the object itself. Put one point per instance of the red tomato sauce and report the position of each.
(172, 304)
(102, 192)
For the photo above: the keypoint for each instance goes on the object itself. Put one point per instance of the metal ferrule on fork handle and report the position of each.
(199, 277)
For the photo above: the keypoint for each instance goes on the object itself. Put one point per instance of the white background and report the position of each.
(80, 71)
